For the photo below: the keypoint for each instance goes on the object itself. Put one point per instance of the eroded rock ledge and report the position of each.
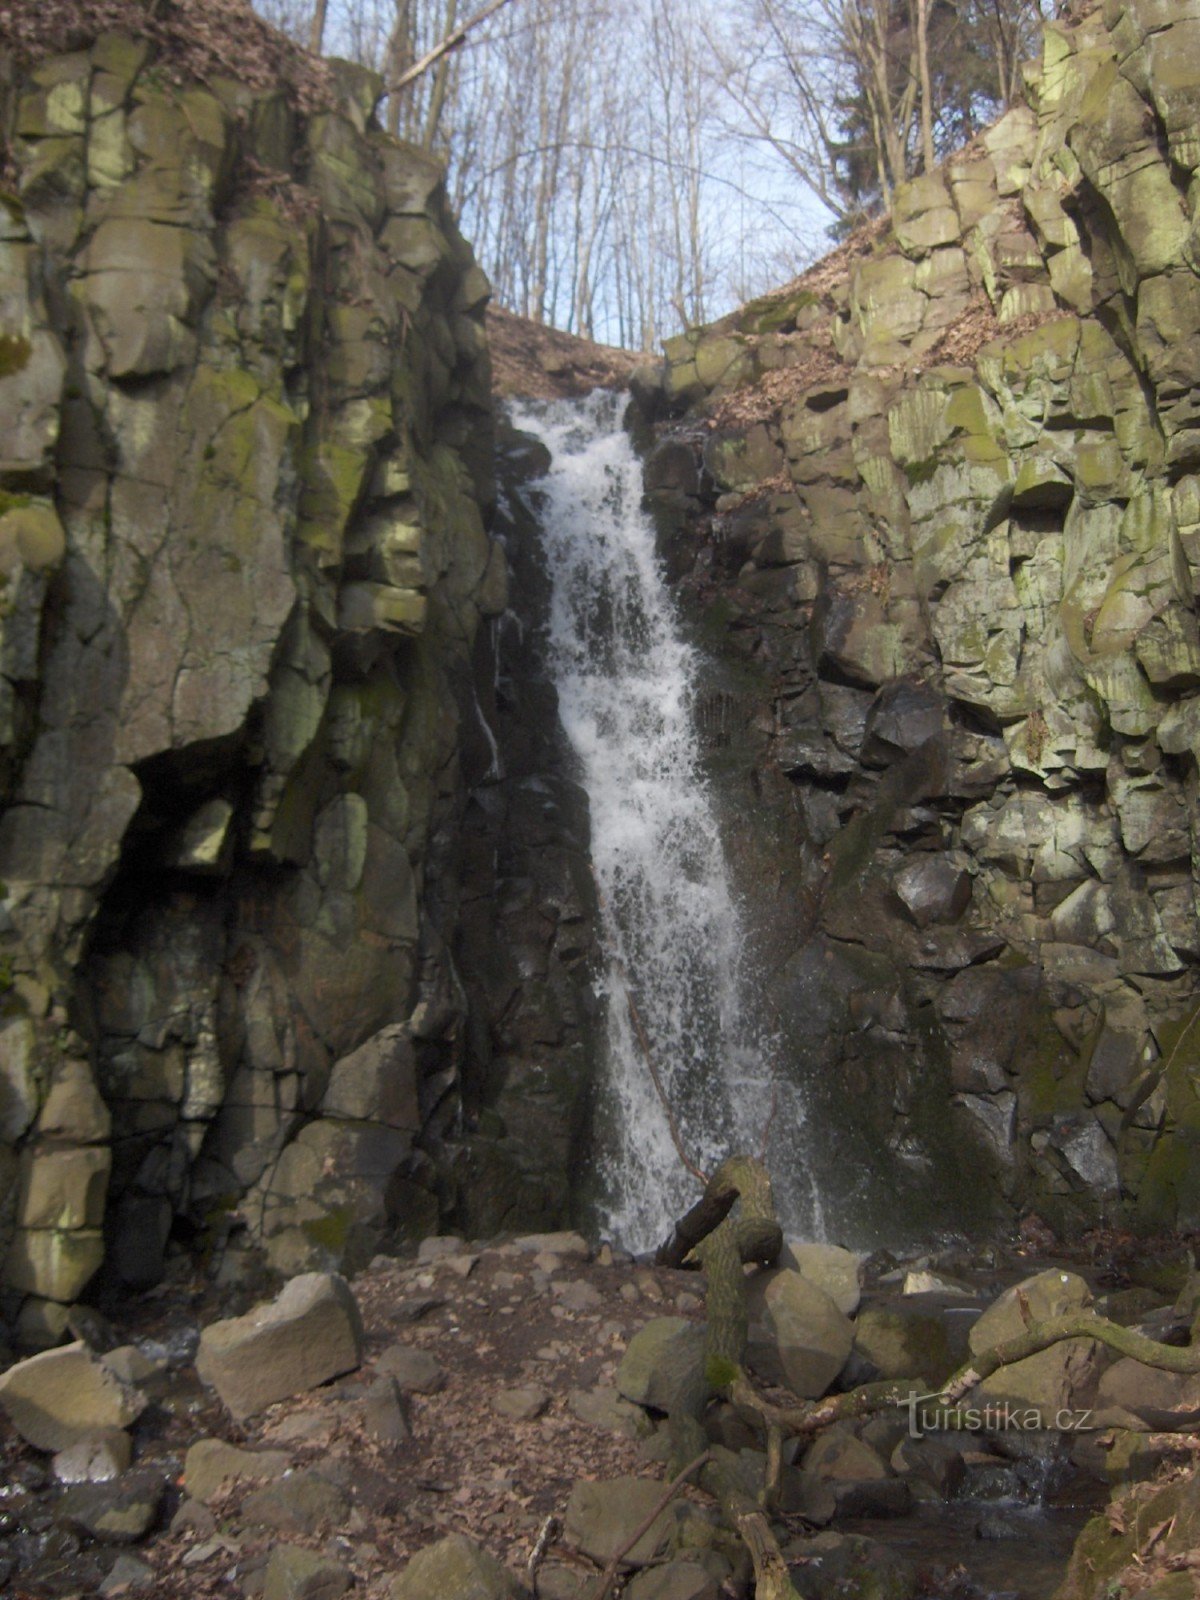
(938, 513)
(250, 609)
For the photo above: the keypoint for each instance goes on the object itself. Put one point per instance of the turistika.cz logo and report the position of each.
(927, 1415)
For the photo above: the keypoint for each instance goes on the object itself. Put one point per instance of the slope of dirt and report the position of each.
(195, 40)
(537, 362)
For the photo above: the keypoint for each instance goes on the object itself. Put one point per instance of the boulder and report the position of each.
(1162, 1400)
(838, 1272)
(385, 1412)
(309, 1333)
(676, 1580)
(61, 1397)
(601, 1516)
(903, 1341)
(417, 1371)
(102, 1456)
(210, 1464)
(524, 1404)
(301, 1503)
(454, 1569)
(119, 1512)
(294, 1573)
(657, 1358)
(840, 1456)
(604, 1407)
(1049, 1381)
(798, 1336)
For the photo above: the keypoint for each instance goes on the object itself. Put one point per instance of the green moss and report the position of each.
(777, 314)
(13, 502)
(720, 1372)
(329, 1231)
(15, 351)
(921, 471)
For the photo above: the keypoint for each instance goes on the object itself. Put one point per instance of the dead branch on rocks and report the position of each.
(754, 1234)
(548, 1534)
(609, 1576)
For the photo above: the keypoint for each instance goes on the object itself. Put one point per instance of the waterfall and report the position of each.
(670, 924)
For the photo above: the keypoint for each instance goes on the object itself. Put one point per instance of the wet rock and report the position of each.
(211, 1464)
(294, 1573)
(131, 1365)
(119, 1512)
(601, 1516)
(1088, 1152)
(417, 1371)
(454, 1569)
(882, 1497)
(58, 1398)
(933, 889)
(930, 1460)
(309, 1333)
(902, 717)
(855, 1566)
(903, 1341)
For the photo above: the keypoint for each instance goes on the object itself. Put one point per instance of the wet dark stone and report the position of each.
(873, 1497)
(672, 467)
(120, 1511)
(932, 889)
(904, 715)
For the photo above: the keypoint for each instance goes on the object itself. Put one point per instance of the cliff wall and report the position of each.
(250, 614)
(936, 510)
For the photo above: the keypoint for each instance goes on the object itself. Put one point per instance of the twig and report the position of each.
(609, 1575)
(452, 41)
(676, 1137)
(550, 1530)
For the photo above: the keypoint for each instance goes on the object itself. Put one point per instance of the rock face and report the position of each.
(941, 534)
(249, 804)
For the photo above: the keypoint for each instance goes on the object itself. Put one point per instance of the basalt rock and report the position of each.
(951, 616)
(250, 655)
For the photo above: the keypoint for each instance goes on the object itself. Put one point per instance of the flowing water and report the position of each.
(671, 927)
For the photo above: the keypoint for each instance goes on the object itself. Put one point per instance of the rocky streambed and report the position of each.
(427, 1429)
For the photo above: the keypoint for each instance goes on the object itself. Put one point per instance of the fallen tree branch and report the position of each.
(453, 40)
(713, 1206)
(544, 1540)
(609, 1576)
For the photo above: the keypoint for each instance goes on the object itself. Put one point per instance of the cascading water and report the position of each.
(625, 678)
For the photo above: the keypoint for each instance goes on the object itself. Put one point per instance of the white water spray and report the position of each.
(625, 679)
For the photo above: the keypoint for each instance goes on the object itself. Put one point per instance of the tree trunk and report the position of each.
(316, 37)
